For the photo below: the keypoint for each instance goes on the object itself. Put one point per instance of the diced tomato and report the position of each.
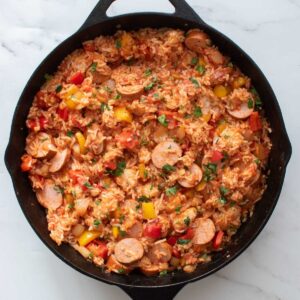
(255, 122)
(111, 165)
(188, 235)
(176, 252)
(216, 156)
(128, 139)
(153, 230)
(75, 175)
(172, 240)
(77, 78)
(98, 248)
(218, 239)
(31, 124)
(26, 164)
(63, 113)
(43, 122)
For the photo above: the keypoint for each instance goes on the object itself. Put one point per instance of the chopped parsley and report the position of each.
(177, 209)
(144, 141)
(223, 190)
(250, 103)
(223, 200)
(257, 100)
(187, 221)
(122, 233)
(149, 86)
(93, 66)
(117, 97)
(71, 205)
(183, 241)
(197, 112)
(163, 273)
(119, 169)
(148, 72)
(118, 44)
(156, 95)
(257, 161)
(143, 198)
(210, 171)
(121, 271)
(194, 61)
(121, 219)
(104, 106)
(97, 223)
(200, 69)
(171, 191)
(88, 185)
(168, 168)
(195, 82)
(59, 189)
(58, 88)
(162, 119)
(97, 202)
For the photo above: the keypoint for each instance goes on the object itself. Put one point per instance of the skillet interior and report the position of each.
(35, 214)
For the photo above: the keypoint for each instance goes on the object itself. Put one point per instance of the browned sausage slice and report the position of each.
(130, 90)
(242, 113)
(167, 152)
(102, 74)
(129, 250)
(50, 196)
(147, 267)
(114, 266)
(59, 160)
(192, 177)
(196, 40)
(160, 253)
(136, 230)
(204, 232)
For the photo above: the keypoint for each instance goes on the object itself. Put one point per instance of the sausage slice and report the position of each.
(50, 197)
(102, 74)
(196, 40)
(167, 152)
(129, 250)
(242, 113)
(114, 266)
(160, 253)
(59, 160)
(204, 232)
(192, 178)
(130, 90)
(136, 230)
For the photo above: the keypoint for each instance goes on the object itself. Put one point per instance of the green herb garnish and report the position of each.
(187, 221)
(148, 72)
(171, 191)
(121, 271)
(200, 69)
(195, 82)
(163, 273)
(197, 112)
(183, 241)
(168, 168)
(194, 61)
(88, 185)
(177, 209)
(104, 106)
(118, 44)
(121, 219)
(59, 189)
(58, 88)
(149, 86)
(250, 103)
(97, 223)
(162, 119)
(209, 171)
(119, 169)
(94, 67)
(143, 198)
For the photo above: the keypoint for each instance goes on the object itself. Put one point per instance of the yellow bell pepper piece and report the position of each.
(69, 198)
(142, 171)
(239, 82)
(206, 117)
(115, 231)
(201, 186)
(70, 103)
(72, 96)
(221, 128)
(88, 236)
(81, 141)
(221, 91)
(123, 114)
(126, 40)
(148, 210)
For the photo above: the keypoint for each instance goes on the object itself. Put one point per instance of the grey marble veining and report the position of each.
(269, 32)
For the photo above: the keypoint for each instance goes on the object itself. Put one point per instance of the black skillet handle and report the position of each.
(159, 293)
(98, 14)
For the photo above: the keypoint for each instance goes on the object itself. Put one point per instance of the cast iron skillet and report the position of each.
(136, 285)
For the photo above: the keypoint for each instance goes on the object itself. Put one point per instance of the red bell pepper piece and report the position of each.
(128, 139)
(26, 164)
(42, 121)
(98, 248)
(216, 156)
(153, 230)
(255, 122)
(63, 113)
(218, 239)
(77, 78)
(172, 240)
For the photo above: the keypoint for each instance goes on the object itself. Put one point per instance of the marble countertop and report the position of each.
(269, 31)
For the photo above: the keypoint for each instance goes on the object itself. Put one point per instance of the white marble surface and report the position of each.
(269, 31)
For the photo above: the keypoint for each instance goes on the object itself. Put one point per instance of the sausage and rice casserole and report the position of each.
(147, 150)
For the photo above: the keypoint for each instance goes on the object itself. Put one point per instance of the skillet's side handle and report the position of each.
(98, 14)
(183, 10)
(159, 293)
